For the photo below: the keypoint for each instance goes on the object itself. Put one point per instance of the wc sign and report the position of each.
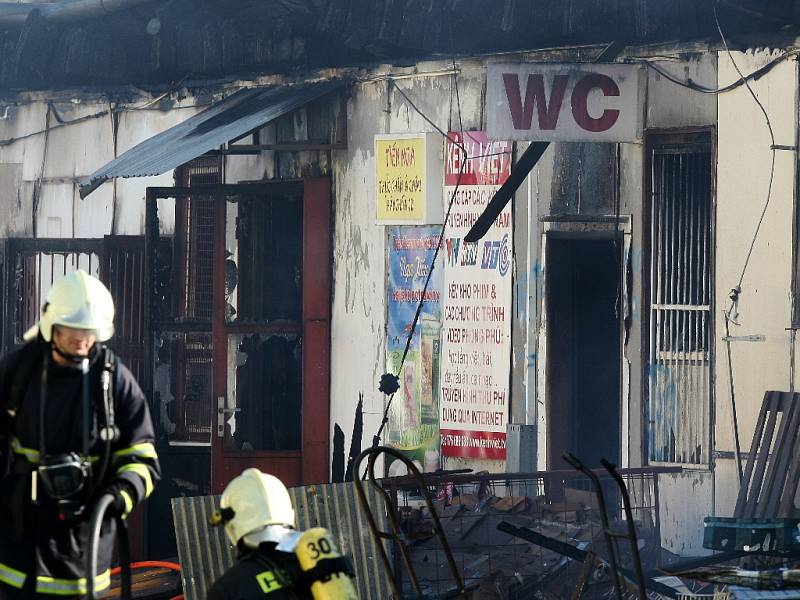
(564, 102)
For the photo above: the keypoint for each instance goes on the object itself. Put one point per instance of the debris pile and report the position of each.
(483, 530)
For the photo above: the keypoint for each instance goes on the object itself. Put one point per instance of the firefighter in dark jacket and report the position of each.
(273, 559)
(74, 425)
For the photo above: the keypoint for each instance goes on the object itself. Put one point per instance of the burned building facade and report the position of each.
(222, 178)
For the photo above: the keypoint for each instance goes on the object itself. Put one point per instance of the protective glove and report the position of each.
(123, 494)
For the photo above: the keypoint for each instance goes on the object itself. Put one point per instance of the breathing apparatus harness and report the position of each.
(67, 478)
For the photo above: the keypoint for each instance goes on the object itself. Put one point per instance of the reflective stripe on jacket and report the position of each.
(53, 585)
(32, 537)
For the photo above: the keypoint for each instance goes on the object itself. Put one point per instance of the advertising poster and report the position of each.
(476, 304)
(400, 178)
(414, 416)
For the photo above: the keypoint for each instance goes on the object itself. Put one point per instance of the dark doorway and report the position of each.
(583, 350)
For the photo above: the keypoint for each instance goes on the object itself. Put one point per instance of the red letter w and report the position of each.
(522, 111)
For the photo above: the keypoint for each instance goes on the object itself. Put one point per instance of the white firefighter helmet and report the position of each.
(77, 300)
(255, 501)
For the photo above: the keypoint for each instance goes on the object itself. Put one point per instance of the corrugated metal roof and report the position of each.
(228, 119)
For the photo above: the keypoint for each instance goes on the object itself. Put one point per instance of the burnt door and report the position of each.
(271, 333)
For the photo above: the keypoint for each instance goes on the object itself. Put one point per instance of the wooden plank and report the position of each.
(786, 508)
(761, 456)
(741, 500)
(770, 487)
(782, 457)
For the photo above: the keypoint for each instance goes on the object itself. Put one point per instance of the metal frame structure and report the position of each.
(396, 534)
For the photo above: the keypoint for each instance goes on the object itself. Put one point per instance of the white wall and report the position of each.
(743, 171)
(66, 154)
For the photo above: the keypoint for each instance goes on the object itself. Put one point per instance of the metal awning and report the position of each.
(228, 119)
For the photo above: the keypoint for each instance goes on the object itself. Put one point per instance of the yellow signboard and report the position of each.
(400, 173)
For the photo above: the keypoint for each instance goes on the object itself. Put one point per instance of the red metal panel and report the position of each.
(316, 401)
(283, 465)
(316, 249)
(316, 329)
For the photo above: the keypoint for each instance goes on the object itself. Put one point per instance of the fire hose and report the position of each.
(96, 525)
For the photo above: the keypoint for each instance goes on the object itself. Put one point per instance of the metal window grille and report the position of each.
(34, 265)
(182, 386)
(183, 350)
(123, 272)
(680, 331)
(198, 257)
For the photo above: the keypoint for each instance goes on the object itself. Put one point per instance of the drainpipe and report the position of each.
(64, 11)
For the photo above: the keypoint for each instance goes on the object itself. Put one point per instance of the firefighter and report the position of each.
(273, 559)
(74, 425)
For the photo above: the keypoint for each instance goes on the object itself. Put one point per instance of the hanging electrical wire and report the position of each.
(390, 382)
(742, 80)
(730, 315)
(61, 122)
(738, 289)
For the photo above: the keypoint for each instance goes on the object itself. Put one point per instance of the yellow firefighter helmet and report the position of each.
(77, 300)
(253, 501)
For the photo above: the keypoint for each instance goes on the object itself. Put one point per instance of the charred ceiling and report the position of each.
(165, 40)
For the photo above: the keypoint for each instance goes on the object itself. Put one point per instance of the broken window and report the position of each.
(264, 392)
(680, 321)
(182, 386)
(263, 266)
(264, 302)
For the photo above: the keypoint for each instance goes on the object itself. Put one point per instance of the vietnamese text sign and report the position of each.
(408, 179)
(564, 102)
(476, 310)
(413, 419)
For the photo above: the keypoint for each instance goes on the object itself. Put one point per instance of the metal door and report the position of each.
(271, 333)
(240, 306)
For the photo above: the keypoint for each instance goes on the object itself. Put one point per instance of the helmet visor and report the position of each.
(87, 320)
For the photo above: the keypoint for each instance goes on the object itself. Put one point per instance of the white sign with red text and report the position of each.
(564, 102)
(476, 303)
